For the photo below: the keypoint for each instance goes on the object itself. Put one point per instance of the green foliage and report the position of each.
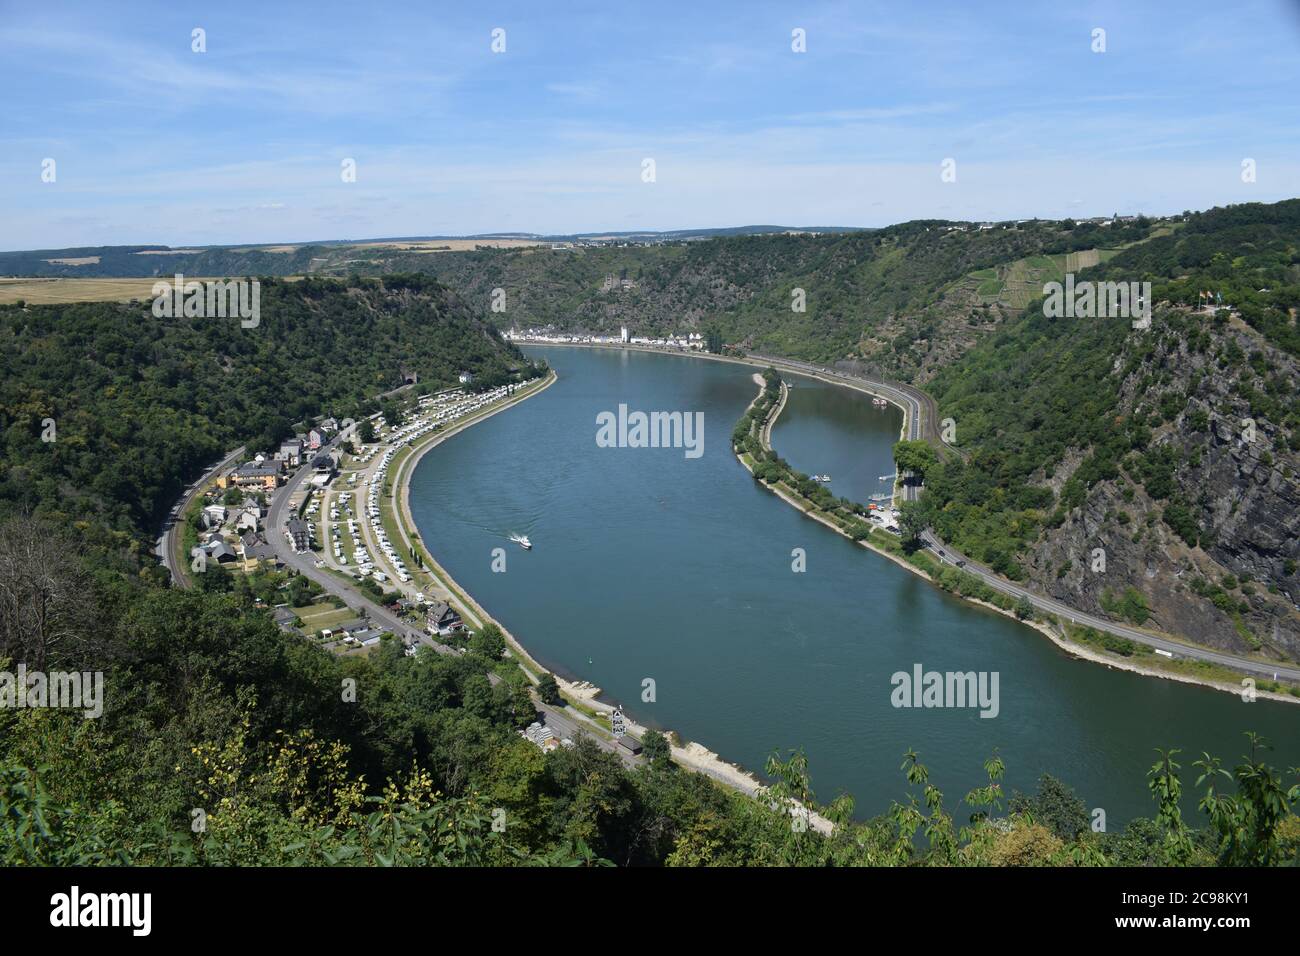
(1055, 806)
(1131, 605)
(1244, 253)
(1113, 643)
(549, 691)
(655, 747)
(915, 456)
(1246, 823)
(913, 518)
(488, 641)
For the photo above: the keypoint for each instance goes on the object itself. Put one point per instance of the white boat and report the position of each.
(522, 541)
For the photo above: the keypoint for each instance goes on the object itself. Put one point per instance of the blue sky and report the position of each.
(243, 143)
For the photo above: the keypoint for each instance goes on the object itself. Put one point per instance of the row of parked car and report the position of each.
(372, 508)
(437, 412)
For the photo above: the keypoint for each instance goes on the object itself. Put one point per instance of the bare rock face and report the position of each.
(1236, 586)
(1257, 520)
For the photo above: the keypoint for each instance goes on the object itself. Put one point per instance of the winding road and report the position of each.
(169, 543)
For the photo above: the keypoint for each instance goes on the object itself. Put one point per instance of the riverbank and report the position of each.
(1052, 629)
(405, 524)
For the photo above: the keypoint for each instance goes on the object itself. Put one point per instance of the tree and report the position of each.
(656, 748)
(366, 431)
(521, 704)
(268, 431)
(913, 518)
(44, 615)
(1055, 806)
(1167, 790)
(549, 691)
(1247, 822)
(214, 579)
(1024, 610)
(488, 641)
(914, 456)
(299, 591)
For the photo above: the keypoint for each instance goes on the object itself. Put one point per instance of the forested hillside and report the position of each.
(139, 403)
(901, 298)
(1248, 255)
(1173, 449)
(904, 300)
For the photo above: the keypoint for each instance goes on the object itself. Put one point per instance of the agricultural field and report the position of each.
(75, 261)
(1076, 261)
(1023, 279)
(53, 291)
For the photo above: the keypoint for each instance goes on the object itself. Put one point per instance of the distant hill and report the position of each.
(904, 299)
(333, 256)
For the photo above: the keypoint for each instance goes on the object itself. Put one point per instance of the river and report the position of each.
(652, 564)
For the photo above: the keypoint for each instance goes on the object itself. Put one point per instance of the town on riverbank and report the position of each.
(684, 341)
(326, 495)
